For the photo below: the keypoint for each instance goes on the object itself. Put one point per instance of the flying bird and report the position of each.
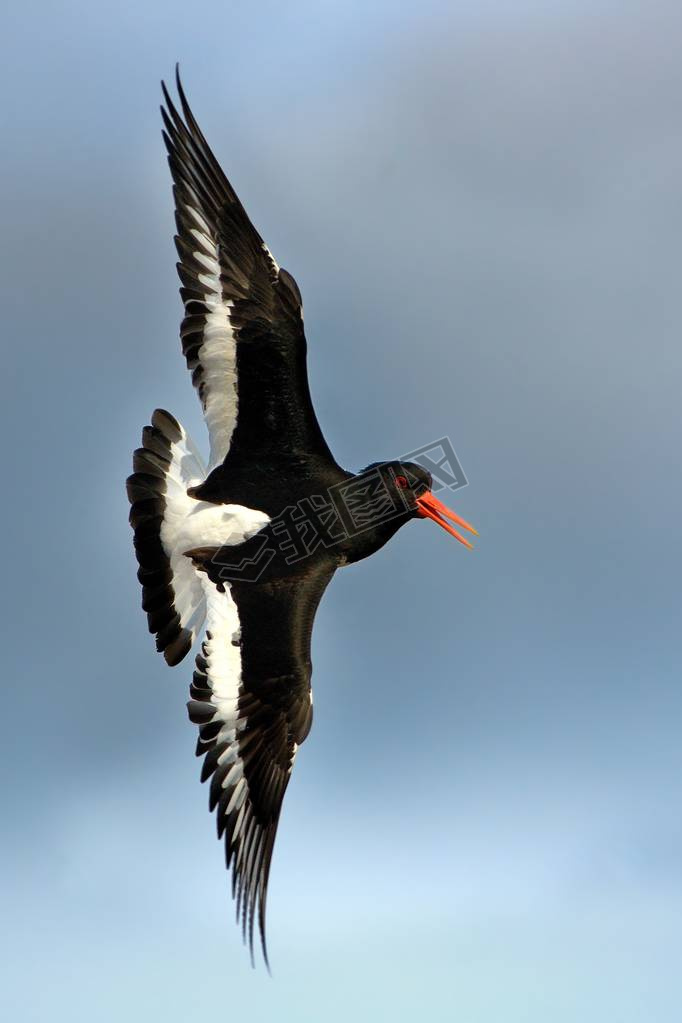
(241, 549)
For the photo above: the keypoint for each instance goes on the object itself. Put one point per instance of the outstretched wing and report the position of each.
(242, 334)
(251, 699)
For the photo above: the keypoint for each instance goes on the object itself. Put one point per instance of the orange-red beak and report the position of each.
(431, 508)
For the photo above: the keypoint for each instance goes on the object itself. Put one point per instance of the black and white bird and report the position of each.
(240, 550)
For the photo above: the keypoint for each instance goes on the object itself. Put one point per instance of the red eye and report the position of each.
(401, 481)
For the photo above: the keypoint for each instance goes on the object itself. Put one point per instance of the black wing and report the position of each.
(251, 698)
(242, 334)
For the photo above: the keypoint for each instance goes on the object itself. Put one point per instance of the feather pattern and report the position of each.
(252, 701)
(248, 756)
(242, 333)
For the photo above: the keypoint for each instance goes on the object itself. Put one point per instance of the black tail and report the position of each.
(147, 488)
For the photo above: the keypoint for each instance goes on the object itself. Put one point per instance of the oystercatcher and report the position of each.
(244, 547)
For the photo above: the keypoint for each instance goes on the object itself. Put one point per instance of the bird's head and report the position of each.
(411, 488)
(415, 485)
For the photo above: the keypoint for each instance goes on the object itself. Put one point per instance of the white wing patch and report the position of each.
(186, 470)
(219, 668)
(223, 657)
(218, 353)
(188, 523)
(270, 256)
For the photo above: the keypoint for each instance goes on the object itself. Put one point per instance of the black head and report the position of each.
(405, 481)
(383, 497)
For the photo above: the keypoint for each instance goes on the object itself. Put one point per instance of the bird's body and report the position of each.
(244, 548)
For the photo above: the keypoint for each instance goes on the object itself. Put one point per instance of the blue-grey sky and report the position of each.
(481, 205)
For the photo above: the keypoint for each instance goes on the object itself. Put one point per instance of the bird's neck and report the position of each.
(362, 543)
